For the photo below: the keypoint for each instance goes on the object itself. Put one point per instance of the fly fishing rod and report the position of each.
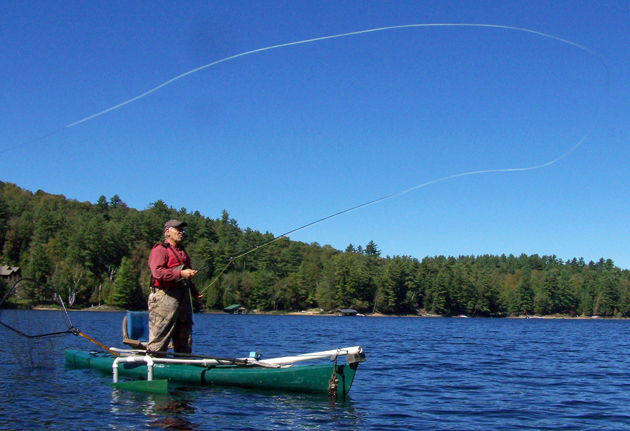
(231, 259)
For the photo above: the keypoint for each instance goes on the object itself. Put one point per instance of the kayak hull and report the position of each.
(297, 378)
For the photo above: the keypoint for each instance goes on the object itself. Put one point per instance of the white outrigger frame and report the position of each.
(353, 354)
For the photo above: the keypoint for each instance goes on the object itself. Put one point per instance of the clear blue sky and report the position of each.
(283, 137)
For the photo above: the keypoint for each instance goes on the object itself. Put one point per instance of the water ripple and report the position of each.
(434, 374)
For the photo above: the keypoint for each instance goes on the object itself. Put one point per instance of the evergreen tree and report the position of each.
(394, 290)
(524, 294)
(372, 250)
(77, 247)
(439, 293)
(126, 286)
(38, 265)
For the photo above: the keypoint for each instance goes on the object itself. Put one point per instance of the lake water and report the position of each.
(429, 374)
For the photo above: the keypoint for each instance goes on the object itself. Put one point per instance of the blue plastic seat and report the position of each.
(136, 329)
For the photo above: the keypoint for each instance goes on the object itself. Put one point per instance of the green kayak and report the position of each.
(274, 374)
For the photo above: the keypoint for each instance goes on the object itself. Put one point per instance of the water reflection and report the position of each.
(167, 411)
(175, 412)
(238, 409)
(247, 409)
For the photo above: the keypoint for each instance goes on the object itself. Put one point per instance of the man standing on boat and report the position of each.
(170, 308)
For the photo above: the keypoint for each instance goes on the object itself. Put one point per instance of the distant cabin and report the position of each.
(10, 274)
(346, 312)
(235, 309)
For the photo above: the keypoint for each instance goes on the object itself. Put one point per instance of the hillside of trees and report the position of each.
(97, 254)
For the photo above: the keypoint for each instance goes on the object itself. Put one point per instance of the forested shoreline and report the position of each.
(97, 254)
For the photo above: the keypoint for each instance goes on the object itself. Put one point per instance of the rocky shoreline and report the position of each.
(107, 308)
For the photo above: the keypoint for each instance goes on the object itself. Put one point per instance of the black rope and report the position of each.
(50, 334)
(56, 298)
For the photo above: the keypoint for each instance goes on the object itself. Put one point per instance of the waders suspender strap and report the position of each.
(177, 256)
(188, 284)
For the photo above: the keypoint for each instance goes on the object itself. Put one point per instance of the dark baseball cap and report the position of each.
(174, 223)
